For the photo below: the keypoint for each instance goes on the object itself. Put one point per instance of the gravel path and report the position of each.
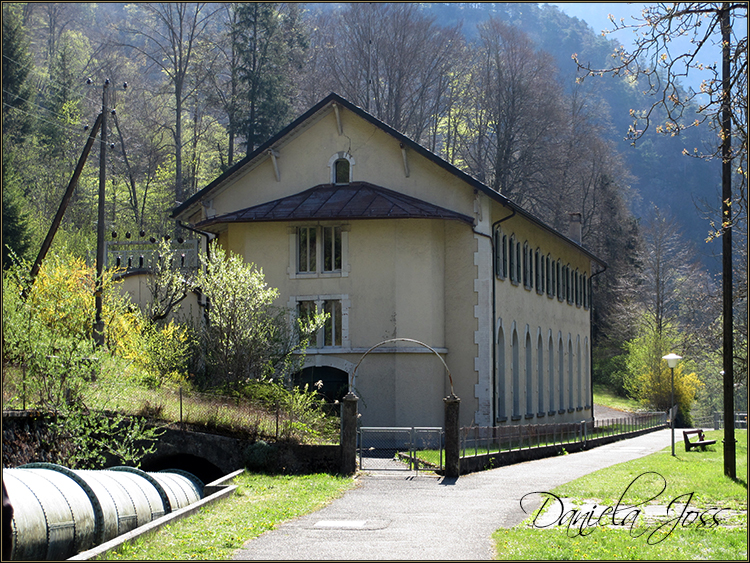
(601, 412)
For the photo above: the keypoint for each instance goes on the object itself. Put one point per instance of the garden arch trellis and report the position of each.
(386, 442)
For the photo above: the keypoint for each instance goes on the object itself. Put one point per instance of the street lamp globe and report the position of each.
(672, 360)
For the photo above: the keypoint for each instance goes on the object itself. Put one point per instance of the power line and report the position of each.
(52, 83)
(36, 116)
(16, 96)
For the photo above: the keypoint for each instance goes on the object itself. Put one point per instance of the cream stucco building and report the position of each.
(346, 215)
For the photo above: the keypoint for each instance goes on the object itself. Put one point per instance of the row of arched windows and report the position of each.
(522, 265)
(550, 376)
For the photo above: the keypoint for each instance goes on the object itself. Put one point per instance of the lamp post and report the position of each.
(672, 360)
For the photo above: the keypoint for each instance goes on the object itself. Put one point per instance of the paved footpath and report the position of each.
(399, 516)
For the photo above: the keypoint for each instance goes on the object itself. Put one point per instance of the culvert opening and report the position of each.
(198, 466)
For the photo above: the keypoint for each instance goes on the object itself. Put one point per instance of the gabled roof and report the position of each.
(322, 107)
(357, 200)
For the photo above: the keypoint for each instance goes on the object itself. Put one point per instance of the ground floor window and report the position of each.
(335, 332)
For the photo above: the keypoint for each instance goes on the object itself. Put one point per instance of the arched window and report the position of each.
(540, 374)
(529, 377)
(579, 375)
(561, 373)
(501, 415)
(570, 373)
(551, 375)
(586, 372)
(341, 165)
(341, 171)
(516, 376)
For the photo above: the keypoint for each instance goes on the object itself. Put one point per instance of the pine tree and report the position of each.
(271, 42)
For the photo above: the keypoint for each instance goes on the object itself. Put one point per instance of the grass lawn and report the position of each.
(260, 503)
(603, 396)
(693, 480)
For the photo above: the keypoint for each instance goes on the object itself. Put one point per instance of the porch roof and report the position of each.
(357, 200)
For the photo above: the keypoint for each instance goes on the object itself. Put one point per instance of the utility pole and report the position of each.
(66, 199)
(730, 464)
(98, 333)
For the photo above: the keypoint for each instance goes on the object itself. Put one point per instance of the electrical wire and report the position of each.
(52, 83)
(55, 123)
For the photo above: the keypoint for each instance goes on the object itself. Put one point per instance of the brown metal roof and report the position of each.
(358, 200)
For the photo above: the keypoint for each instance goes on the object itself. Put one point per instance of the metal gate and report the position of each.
(393, 448)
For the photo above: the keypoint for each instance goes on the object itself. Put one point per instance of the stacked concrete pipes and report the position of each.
(59, 512)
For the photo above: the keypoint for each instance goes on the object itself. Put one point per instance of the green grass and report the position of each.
(117, 391)
(260, 503)
(603, 396)
(700, 473)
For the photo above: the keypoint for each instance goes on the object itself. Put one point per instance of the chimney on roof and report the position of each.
(574, 226)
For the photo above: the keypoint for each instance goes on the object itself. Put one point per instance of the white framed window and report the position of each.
(319, 251)
(342, 168)
(335, 332)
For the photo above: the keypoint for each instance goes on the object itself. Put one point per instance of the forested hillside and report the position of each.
(491, 88)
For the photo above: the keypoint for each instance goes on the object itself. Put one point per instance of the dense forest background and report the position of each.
(491, 88)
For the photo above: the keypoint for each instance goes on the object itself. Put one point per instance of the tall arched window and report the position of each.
(529, 377)
(501, 414)
(540, 374)
(570, 373)
(516, 376)
(551, 368)
(579, 375)
(586, 373)
(561, 373)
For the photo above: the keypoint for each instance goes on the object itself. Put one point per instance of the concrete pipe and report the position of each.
(58, 512)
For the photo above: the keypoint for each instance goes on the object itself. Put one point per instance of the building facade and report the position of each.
(346, 215)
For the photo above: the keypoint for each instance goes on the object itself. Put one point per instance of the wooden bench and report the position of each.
(702, 442)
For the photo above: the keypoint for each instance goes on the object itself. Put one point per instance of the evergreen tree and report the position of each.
(16, 67)
(271, 42)
(16, 125)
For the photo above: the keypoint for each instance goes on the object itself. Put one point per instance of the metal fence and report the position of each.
(716, 420)
(476, 440)
(400, 448)
(140, 255)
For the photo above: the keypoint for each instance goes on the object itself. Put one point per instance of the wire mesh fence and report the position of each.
(476, 440)
(400, 448)
(292, 417)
